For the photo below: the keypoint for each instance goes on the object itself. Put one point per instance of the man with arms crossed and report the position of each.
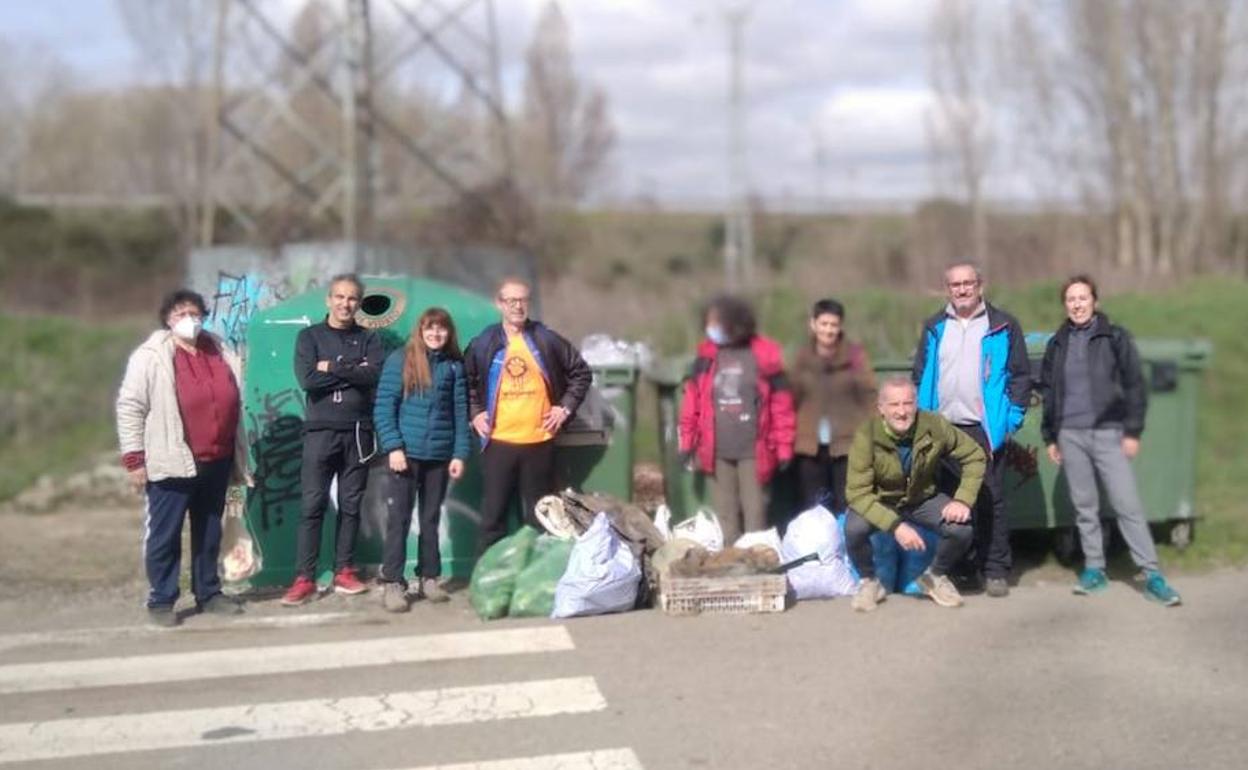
(338, 363)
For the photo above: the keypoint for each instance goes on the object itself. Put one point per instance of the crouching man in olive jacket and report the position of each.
(891, 486)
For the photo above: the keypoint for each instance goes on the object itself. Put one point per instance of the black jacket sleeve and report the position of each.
(309, 378)
(577, 375)
(1019, 367)
(1048, 417)
(475, 375)
(365, 372)
(1131, 376)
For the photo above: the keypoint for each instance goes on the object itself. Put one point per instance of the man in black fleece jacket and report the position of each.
(338, 364)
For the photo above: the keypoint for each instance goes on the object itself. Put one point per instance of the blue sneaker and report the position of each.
(1091, 581)
(1157, 589)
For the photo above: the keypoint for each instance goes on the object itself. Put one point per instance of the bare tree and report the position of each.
(1132, 99)
(34, 84)
(960, 128)
(175, 43)
(566, 135)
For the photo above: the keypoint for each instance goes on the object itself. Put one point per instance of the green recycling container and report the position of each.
(594, 451)
(1035, 488)
(273, 406)
(1165, 469)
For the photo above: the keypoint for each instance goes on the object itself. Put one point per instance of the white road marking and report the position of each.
(251, 661)
(88, 635)
(608, 759)
(58, 739)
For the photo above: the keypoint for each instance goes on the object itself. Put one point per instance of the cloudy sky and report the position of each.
(847, 76)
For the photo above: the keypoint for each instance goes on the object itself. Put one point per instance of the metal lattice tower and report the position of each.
(346, 108)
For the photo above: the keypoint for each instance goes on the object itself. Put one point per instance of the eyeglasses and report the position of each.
(514, 301)
(955, 285)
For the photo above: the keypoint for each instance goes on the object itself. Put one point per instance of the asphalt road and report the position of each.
(1041, 679)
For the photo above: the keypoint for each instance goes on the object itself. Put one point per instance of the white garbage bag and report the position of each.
(663, 521)
(602, 575)
(815, 531)
(767, 537)
(702, 528)
(239, 556)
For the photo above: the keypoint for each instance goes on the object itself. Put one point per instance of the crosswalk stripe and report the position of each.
(60, 739)
(608, 759)
(88, 635)
(250, 661)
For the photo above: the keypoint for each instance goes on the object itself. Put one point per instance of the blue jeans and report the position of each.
(955, 539)
(168, 502)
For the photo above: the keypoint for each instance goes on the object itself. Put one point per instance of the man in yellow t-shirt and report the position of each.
(524, 383)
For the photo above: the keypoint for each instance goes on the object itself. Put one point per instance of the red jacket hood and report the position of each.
(767, 352)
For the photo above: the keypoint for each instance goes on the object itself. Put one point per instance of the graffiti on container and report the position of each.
(1022, 460)
(275, 433)
(235, 301)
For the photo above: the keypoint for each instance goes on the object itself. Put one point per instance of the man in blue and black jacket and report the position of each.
(971, 366)
(524, 383)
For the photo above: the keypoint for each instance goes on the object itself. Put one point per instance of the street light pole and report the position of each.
(738, 228)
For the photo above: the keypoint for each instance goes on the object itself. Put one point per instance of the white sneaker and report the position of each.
(870, 594)
(940, 588)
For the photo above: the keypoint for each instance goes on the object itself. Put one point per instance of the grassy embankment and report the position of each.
(56, 394)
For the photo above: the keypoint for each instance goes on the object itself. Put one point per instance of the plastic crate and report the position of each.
(722, 595)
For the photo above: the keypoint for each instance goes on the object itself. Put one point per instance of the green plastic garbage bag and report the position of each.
(494, 577)
(535, 586)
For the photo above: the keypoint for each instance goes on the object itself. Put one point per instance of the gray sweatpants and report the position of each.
(1089, 453)
(740, 501)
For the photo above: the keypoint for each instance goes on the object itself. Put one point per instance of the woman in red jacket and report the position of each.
(736, 416)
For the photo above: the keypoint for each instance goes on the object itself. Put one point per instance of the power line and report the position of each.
(300, 124)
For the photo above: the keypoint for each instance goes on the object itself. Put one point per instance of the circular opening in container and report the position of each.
(376, 304)
(381, 308)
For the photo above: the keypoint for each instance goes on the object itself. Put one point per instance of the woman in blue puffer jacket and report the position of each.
(421, 419)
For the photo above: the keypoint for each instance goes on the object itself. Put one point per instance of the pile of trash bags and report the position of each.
(600, 554)
(593, 560)
(517, 574)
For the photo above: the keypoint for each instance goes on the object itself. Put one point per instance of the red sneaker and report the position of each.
(300, 592)
(345, 582)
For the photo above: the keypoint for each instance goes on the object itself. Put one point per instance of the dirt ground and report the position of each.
(62, 562)
(78, 549)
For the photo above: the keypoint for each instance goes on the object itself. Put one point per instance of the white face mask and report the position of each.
(715, 333)
(188, 328)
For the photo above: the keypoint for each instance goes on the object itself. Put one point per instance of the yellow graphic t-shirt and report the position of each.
(522, 399)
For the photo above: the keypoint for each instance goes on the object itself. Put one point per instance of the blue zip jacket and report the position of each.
(1006, 373)
(427, 425)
